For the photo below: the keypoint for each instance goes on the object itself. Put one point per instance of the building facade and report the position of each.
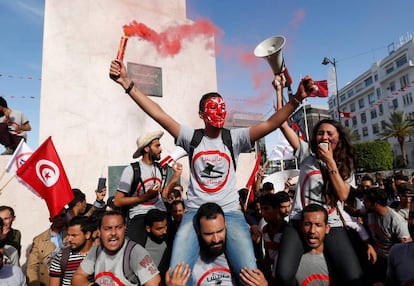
(366, 102)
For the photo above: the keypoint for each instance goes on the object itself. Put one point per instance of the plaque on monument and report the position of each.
(147, 78)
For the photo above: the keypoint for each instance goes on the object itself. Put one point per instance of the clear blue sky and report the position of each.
(356, 33)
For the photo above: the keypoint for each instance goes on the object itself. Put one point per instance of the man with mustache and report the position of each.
(65, 263)
(211, 267)
(158, 244)
(107, 264)
(313, 269)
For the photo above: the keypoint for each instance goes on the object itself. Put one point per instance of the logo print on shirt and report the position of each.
(211, 170)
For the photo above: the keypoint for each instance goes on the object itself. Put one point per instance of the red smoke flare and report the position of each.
(170, 41)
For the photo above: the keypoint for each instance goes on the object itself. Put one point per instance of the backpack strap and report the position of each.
(226, 137)
(126, 265)
(164, 174)
(198, 136)
(137, 178)
(64, 259)
(195, 141)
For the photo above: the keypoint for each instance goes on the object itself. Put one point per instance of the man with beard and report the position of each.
(139, 195)
(65, 263)
(313, 269)
(211, 267)
(107, 265)
(401, 258)
(156, 244)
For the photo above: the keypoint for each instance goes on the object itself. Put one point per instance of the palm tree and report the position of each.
(353, 134)
(399, 127)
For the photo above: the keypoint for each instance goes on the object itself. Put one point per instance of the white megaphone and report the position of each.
(170, 160)
(271, 50)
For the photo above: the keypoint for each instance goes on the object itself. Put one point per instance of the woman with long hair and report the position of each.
(327, 165)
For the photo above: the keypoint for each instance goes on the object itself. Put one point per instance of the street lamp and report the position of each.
(333, 62)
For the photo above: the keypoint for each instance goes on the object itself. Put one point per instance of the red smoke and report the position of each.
(169, 42)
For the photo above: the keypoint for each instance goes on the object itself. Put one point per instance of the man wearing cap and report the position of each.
(212, 163)
(144, 193)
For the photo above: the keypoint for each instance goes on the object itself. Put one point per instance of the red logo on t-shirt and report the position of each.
(211, 170)
(108, 279)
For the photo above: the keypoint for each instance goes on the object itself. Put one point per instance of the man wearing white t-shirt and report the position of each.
(107, 265)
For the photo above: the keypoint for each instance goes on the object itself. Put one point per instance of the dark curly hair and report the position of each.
(344, 154)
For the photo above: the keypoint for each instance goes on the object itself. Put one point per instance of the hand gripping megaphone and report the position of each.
(170, 160)
(271, 50)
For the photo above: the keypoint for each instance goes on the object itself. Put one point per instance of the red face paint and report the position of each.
(215, 111)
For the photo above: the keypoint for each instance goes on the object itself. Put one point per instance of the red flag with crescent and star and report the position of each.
(43, 172)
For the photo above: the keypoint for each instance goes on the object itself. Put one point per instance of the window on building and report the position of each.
(363, 117)
(350, 93)
(383, 125)
(354, 121)
(407, 99)
(378, 92)
(373, 113)
(352, 107)
(361, 103)
(368, 81)
(364, 131)
(395, 103)
(401, 61)
(358, 87)
(392, 87)
(371, 98)
(389, 69)
(376, 77)
(404, 81)
(375, 128)
(380, 109)
(342, 98)
(347, 123)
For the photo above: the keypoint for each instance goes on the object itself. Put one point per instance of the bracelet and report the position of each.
(297, 100)
(129, 88)
(333, 171)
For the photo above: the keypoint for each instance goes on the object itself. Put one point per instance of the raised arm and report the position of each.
(277, 119)
(119, 74)
(290, 135)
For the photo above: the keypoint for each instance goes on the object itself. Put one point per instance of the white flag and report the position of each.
(282, 150)
(20, 156)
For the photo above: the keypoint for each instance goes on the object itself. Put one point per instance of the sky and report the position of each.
(354, 33)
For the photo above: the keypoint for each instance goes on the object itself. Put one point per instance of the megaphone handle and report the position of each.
(289, 88)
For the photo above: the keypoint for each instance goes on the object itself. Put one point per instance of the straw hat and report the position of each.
(144, 140)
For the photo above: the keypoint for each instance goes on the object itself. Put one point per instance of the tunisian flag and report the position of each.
(251, 183)
(321, 89)
(43, 173)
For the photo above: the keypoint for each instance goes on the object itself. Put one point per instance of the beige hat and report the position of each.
(146, 139)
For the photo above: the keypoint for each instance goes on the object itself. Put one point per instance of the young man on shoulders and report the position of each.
(212, 163)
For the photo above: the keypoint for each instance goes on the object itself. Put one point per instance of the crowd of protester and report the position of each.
(323, 228)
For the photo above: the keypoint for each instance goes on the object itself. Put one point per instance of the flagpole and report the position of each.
(5, 185)
(305, 118)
